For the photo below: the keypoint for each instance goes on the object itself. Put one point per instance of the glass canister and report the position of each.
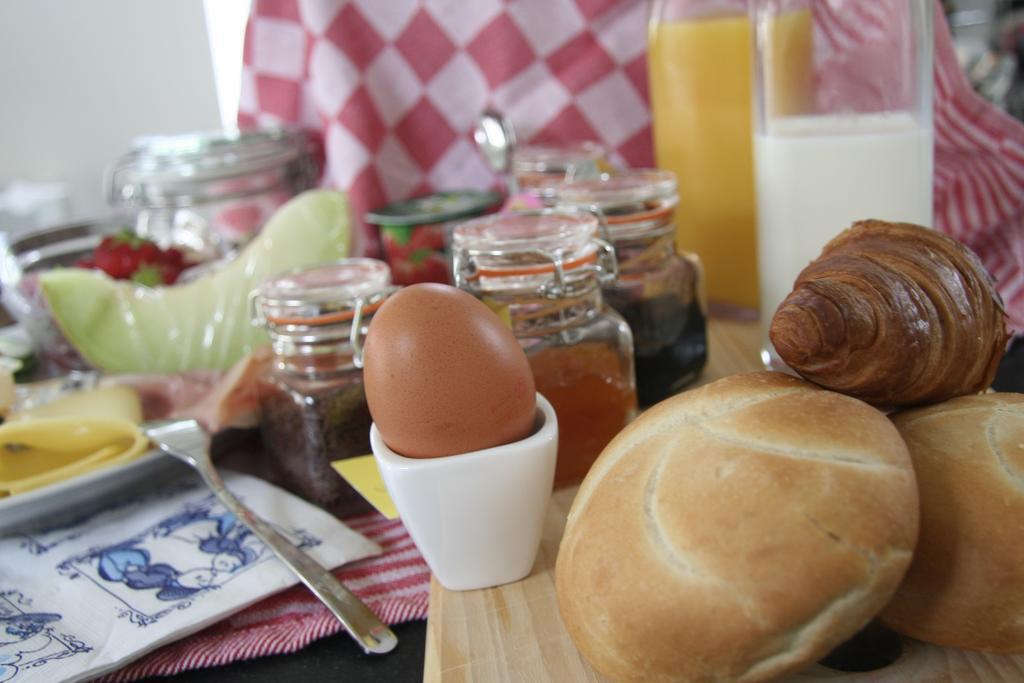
(312, 404)
(544, 270)
(209, 192)
(658, 291)
(538, 168)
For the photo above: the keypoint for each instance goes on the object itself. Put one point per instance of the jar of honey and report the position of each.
(543, 270)
(312, 404)
(658, 291)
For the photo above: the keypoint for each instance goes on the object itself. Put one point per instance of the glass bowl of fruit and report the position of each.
(105, 245)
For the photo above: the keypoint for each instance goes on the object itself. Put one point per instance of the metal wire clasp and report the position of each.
(353, 314)
(607, 265)
(256, 316)
(602, 222)
(602, 263)
(357, 335)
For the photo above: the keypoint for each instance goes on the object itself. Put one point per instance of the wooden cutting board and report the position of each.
(514, 632)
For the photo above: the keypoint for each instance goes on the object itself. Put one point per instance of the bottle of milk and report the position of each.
(847, 138)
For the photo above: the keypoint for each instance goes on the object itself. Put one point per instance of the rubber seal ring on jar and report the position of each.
(633, 201)
(602, 261)
(361, 307)
(521, 248)
(538, 269)
(659, 213)
(328, 302)
(327, 318)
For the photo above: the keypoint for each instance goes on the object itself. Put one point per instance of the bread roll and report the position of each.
(965, 587)
(894, 314)
(736, 532)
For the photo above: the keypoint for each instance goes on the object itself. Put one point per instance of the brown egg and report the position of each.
(444, 375)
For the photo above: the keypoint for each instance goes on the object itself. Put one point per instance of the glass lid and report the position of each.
(526, 249)
(321, 295)
(176, 164)
(623, 188)
(556, 157)
(561, 233)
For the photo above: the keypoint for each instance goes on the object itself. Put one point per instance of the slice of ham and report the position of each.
(218, 400)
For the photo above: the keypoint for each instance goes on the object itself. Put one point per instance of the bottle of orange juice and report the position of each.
(700, 63)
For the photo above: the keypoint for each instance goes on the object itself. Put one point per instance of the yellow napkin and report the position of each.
(68, 437)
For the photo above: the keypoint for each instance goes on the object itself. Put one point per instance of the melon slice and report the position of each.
(118, 326)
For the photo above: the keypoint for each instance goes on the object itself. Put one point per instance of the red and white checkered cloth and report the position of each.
(395, 585)
(396, 85)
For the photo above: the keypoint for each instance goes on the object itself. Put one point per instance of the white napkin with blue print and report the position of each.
(86, 598)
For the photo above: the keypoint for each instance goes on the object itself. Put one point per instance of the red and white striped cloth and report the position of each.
(979, 177)
(395, 86)
(979, 150)
(395, 585)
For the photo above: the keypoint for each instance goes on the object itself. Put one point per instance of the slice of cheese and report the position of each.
(115, 401)
(76, 433)
(45, 450)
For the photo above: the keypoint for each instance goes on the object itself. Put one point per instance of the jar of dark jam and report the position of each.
(313, 409)
(544, 271)
(658, 291)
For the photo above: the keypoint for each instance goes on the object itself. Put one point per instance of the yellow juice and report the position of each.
(700, 81)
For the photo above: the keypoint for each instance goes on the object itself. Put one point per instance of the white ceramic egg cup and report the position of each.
(476, 517)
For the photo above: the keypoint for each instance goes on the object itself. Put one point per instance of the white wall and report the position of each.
(80, 79)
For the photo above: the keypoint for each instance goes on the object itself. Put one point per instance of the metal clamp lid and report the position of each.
(601, 262)
(520, 247)
(323, 302)
(630, 202)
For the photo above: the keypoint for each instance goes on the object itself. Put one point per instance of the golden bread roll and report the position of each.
(965, 586)
(894, 314)
(736, 532)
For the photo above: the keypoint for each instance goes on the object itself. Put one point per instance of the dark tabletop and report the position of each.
(338, 658)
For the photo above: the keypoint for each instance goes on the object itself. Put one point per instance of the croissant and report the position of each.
(894, 314)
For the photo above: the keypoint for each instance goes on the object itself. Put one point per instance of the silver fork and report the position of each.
(189, 442)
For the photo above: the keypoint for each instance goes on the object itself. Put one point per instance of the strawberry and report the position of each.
(170, 274)
(126, 256)
(110, 258)
(173, 258)
(149, 252)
